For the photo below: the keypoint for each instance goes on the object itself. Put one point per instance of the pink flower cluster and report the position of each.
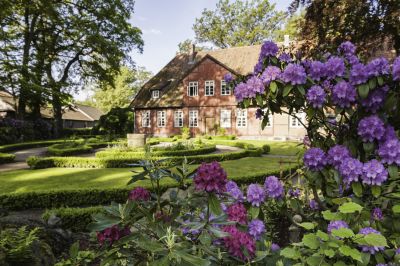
(239, 241)
(112, 234)
(139, 194)
(211, 177)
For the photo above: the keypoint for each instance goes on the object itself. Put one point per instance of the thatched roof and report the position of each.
(238, 60)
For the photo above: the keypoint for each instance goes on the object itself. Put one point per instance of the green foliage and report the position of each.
(266, 148)
(28, 145)
(68, 148)
(185, 132)
(24, 247)
(238, 23)
(6, 158)
(77, 132)
(77, 257)
(74, 219)
(117, 122)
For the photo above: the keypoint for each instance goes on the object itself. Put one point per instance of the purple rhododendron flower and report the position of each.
(294, 193)
(316, 70)
(396, 69)
(255, 195)
(240, 91)
(316, 96)
(234, 191)
(350, 170)
(268, 49)
(389, 151)
(259, 113)
(313, 205)
(315, 159)
(335, 225)
(375, 100)
(371, 128)
(139, 194)
(343, 94)
(377, 214)
(274, 187)
(239, 241)
(258, 68)
(112, 234)
(398, 251)
(237, 213)
(338, 154)
(256, 228)
(228, 77)
(294, 74)
(210, 177)
(285, 57)
(347, 48)
(358, 74)
(370, 249)
(275, 247)
(353, 59)
(254, 86)
(374, 173)
(390, 134)
(270, 73)
(334, 67)
(378, 66)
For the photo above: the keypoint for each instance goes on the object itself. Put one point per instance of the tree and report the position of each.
(370, 24)
(187, 45)
(292, 27)
(238, 23)
(121, 92)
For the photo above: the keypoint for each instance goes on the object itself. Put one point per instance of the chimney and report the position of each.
(192, 54)
(286, 40)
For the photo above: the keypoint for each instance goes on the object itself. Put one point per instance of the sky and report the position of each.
(164, 24)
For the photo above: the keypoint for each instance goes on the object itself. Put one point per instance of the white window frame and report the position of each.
(146, 118)
(155, 94)
(195, 86)
(161, 118)
(294, 122)
(193, 118)
(225, 88)
(225, 118)
(178, 119)
(209, 86)
(241, 118)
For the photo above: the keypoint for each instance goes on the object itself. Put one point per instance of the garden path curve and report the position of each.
(20, 159)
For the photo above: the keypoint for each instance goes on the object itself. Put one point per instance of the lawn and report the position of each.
(83, 178)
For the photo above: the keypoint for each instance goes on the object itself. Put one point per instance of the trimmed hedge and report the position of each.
(119, 154)
(96, 197)
(6, 158)
(65, 149)
(74, 219)
(77, 131)
(28, 145)
(121, 162)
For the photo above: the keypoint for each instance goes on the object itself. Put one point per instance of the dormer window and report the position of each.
(155, 94)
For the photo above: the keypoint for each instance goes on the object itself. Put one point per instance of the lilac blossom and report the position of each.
(343, 94)
(378, 66)
(374, 173)
(371, 128)
(334, 67)
(316, 96)
(315, 159)
(270, 73)
(350, 170)
(338, 154)
(389, 151)
(370, 249)
(255, 195)
(256, 228)
(358, 74)
(274, 187)
(268, 49)
(317, 70)
(294, 74)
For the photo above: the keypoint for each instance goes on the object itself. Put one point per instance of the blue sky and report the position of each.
(166, 23)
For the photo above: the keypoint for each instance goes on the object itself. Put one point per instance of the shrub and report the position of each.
(118, 121)
(78, 132)
(185, 133)
(14, 130)
(6, 158)
(68, 148)
(74, 219)
(266, 148)
(28, 145)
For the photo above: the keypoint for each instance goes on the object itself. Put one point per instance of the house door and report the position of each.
(210, 123)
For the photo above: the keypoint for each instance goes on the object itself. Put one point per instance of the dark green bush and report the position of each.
(28, 145)
(74, 219)
(78, 132)
(6, 158)
(68, 148)
(118, 121)
(266, 148)
(224, 137)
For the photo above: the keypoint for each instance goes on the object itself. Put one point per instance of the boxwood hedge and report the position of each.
(67, 149)
(122, 161)
(6, 158)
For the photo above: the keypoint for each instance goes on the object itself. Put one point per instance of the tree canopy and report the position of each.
(238, 23)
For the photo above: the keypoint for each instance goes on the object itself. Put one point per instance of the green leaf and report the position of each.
(368, 147)
(286, 90)
(315, 260)
(301, 90)
(330, 253)
(340, 200)
(393, 171)
(218, 233)
(191, 259)
(396, 209)
(149, 245)
(331, 216)
(322, 235)
(376, 191)
(340, 263)
(254, 211)
(74, 249)
(259, 100)
(205, 238)
(343, 232)
(350, 207)
(290, 253)
(357, 188)
(311, 241)
(380, 81)
(273, 86)
(351, 252)
(363, 90)
(376, 240)
(214, 204)
(372, 83)
(308, 226)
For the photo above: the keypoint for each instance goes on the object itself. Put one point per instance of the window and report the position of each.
(225, 88)
(161, 118)
(178, 119)
(146, 119)
(193, 89)
(241, 118)
(209, 87)
(294, 121)
(193, 118)
(155, 94)
(225, 118)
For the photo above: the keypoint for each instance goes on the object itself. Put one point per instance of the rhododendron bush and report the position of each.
(351, 165)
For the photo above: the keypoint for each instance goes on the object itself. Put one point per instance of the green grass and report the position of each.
(83, 178)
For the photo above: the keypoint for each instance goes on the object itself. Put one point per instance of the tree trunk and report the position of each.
(57, 112)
